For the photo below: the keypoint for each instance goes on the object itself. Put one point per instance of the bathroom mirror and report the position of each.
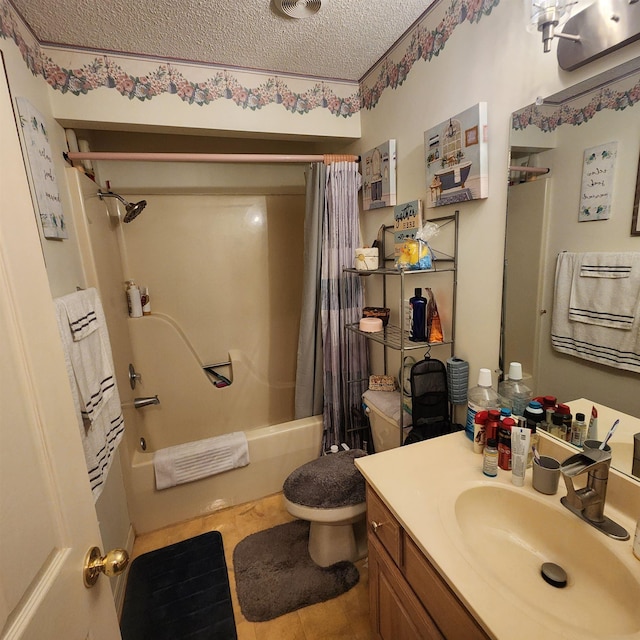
(546, 215)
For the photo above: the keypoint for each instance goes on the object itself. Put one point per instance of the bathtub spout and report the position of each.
(138, 403)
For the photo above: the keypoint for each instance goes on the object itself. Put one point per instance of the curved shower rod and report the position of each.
(209, 157)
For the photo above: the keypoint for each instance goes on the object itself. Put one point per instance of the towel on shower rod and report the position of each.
(603, 344)
(87, 354)
(195, 460)
(605, 289)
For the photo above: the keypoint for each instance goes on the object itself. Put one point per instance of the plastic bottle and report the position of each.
(504, 443)
(534, 415)
(578, 430)
(490, 460)
(480, 397)
(146, 301)
(134, 302)
(567, 419)
(418, 323)
(514, 390)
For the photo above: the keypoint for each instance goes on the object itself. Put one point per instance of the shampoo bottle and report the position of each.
(418, 325)
(134, 302)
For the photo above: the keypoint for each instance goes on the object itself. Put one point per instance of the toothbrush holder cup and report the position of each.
(546, 475)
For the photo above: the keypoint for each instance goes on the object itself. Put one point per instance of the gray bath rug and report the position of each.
(275, 574)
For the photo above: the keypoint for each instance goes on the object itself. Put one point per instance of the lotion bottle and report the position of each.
(134, 302)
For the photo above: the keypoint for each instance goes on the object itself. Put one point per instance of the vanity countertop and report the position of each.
(420, 484)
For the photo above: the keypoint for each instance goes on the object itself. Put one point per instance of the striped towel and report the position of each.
(591, 341)
(605, 289)
(87, 353)
(194, 460)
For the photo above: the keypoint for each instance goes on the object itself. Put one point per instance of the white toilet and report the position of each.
(329, 492)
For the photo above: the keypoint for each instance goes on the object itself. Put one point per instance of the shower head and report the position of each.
(132, 209)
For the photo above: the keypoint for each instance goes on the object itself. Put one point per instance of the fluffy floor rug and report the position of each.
(275, 575)
(180, 592)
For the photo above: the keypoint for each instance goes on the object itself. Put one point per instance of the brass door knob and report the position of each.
(111, 564)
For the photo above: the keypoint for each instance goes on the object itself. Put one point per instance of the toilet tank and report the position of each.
(383, 409)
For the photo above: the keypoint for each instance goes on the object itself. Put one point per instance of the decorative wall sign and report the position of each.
(40, 161)
(379, 176)
(597, 182)
(407, 220)
(456, 158)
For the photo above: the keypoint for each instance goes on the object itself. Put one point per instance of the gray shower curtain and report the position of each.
(332, 361)
(308, 400)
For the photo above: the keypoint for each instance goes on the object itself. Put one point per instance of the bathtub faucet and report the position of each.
(138, 403)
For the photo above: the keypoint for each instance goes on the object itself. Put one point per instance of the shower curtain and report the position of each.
(308, 399)
(333, 362)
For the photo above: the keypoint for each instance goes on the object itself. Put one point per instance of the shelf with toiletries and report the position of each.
(397, 337)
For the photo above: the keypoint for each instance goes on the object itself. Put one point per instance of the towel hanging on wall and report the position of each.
(87, 353)
(591, 341)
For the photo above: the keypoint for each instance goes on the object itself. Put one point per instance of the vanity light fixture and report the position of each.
(546, 15)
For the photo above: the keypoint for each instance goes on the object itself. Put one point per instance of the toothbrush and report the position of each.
(536, 455)
(613, 428)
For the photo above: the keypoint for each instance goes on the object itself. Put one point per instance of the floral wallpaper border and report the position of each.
(548, 121)
(104, 71)
(423, 44)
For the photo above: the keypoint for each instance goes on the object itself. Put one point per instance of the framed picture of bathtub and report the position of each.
(456, 158)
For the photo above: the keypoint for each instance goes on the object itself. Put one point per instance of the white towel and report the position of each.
(194, 460)
(605, 289)
(597, 343)
(87, 351)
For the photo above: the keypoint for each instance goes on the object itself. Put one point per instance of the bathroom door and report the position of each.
(47, 518)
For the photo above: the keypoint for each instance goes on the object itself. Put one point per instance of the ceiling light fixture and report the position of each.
(546, 16)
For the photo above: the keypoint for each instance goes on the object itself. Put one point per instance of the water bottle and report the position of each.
(514, 390)
(483, 396)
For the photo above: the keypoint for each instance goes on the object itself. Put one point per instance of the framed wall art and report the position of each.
(597, 182)
(40, 161)
(379, 176)
(456, 158)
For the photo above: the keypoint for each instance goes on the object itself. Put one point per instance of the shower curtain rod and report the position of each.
(210, 157)
(524, 169)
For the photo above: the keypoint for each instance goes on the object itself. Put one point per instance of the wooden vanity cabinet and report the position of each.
(408, 599)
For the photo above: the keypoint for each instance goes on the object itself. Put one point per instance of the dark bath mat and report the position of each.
(275, 575)
(180, 592)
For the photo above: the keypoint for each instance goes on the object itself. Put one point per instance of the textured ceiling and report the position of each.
(343, 40)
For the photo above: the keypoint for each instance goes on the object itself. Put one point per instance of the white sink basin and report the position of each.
(508, 533)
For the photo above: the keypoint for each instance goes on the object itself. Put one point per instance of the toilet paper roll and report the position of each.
(457, 380)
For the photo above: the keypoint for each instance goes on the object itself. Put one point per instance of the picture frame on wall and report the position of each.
(635, 218)
(39, 159)
(379, 176)
(457, 158)
(598, 168)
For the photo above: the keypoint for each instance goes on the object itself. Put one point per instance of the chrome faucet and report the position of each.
(138, 403)
(588, 502)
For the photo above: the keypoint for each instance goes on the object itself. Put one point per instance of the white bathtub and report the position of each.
(274, 452)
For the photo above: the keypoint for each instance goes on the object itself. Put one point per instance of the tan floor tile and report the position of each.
(287, 627)
(343, 618)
